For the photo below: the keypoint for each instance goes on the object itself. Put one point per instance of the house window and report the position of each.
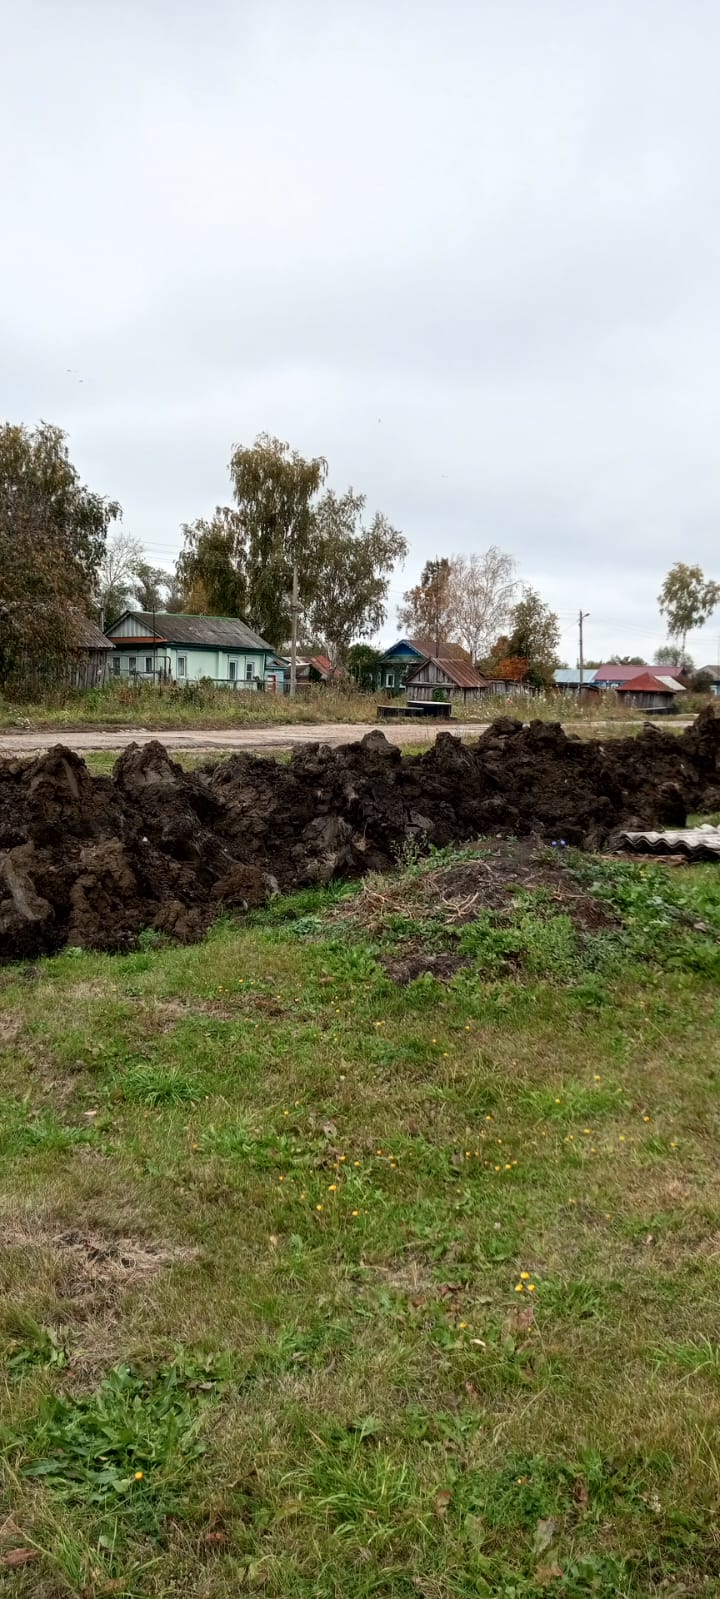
(182, 665)
(149, 665)
(116, 666)
(390, 680)
(132, 663)
(232, 670)
(249, 671)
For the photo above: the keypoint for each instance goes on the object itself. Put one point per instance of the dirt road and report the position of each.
(280, 736)
(241, 738)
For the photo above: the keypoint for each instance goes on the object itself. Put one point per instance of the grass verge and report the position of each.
(196, 705)
(322, 1278)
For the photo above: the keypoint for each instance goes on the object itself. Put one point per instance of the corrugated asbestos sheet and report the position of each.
(700, 843)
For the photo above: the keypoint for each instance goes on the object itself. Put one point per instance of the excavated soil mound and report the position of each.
(92, 861)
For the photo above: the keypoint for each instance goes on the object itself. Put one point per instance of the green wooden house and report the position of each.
(185, 648)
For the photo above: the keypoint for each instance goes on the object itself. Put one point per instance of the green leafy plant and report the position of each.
(123, 1452)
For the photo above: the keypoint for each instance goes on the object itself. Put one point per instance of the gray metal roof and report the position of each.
(571, 674)
(224, 632)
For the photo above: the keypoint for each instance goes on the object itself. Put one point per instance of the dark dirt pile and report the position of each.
(94, 860)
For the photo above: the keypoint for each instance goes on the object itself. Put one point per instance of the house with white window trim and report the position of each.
(180, 648)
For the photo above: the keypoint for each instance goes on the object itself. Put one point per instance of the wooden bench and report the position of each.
(437, 708)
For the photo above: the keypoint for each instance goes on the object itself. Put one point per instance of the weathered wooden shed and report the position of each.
(651, 692)
(439, 678)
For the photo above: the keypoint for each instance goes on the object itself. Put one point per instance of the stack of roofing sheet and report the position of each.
(699, 843)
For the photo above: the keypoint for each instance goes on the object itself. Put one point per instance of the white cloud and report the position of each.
(469, 253)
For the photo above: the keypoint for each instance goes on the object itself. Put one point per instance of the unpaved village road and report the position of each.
(280, 736)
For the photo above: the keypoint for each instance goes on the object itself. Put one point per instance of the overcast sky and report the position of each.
(469, 252)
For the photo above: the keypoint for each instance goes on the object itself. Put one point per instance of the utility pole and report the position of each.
(582, 617)
(293, 634)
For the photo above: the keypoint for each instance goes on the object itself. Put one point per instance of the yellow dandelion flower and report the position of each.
(356, 1213)
(356, 1163)
(332, 1188)
(318, 1207)
(621, 1139)
(531, 1288)
(303, 1196)
(673, 1143)
(524, 1276)
(646, 1118)
(462, 1324)
(139, 1476)
(519, 1288)
(508, 1167)
(598, 1078)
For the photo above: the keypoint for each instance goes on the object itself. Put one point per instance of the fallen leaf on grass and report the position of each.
(545, 1531)
(544, 1575)
(442, 1502)
(214, 1537)
(19, 1557)
(519, 1320)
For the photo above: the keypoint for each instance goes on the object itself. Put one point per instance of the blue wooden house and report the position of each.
(408, 653)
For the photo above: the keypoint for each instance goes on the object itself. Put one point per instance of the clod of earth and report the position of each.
(93, 861)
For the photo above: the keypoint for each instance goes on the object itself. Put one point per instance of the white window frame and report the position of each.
(232, 671)
(249, 671)
(148, 666)
(182, 666)
(117, 663)
(132, 663)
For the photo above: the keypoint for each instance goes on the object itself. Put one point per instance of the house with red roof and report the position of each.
(612, 675)
(651, 691)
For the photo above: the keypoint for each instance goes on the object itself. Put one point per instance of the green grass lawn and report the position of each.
(324, 1285)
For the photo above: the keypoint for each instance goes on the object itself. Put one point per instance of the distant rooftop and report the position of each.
(177, 627)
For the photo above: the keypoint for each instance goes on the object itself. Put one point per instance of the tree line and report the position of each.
(287, 552)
